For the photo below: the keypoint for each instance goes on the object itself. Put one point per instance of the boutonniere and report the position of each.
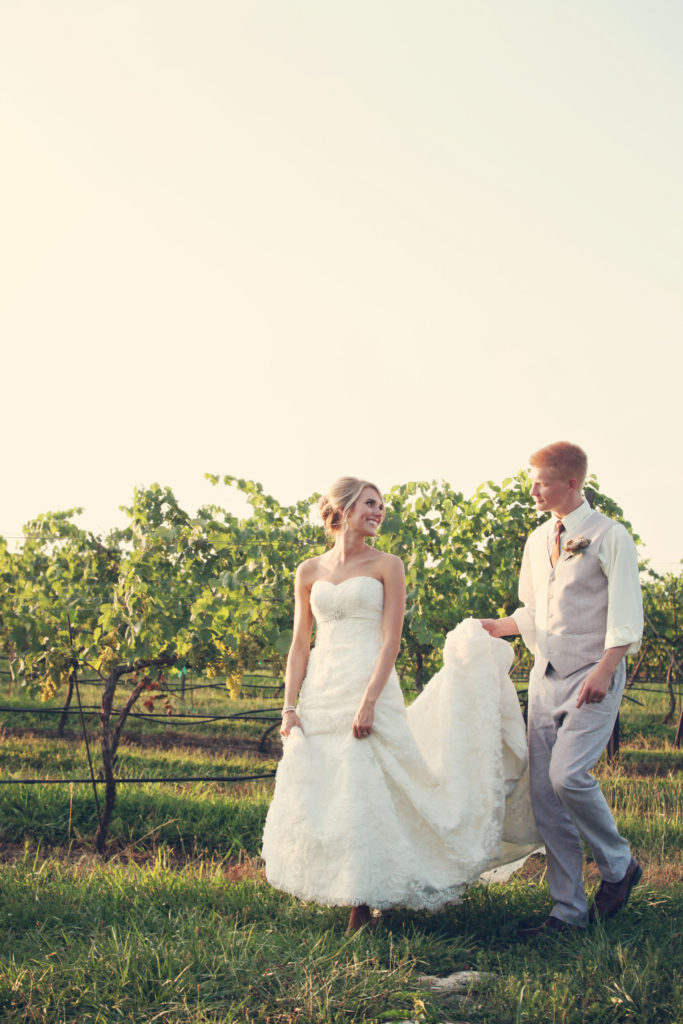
(576, 545)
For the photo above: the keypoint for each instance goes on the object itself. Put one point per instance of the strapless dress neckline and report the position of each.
(348, 579)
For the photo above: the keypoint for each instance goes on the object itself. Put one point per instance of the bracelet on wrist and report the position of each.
(290, 707)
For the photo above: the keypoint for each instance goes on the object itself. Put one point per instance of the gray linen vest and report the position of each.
(576, 614)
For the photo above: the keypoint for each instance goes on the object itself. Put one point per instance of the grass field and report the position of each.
(179, 925)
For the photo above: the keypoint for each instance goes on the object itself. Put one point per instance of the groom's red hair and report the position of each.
(566, 460)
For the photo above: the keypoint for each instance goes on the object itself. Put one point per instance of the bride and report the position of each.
(376, 804)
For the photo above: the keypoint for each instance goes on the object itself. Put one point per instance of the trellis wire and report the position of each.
(178, 778)
(255, 715)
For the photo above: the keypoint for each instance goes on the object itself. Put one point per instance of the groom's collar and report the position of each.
(573, 520)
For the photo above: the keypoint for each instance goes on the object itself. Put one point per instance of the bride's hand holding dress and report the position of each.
(393, 610)
(297, 659)
(290, 720)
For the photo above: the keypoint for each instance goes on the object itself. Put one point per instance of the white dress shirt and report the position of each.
(618, 560)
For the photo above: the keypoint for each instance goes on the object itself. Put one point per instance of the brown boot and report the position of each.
(611, 896)
(359, 916)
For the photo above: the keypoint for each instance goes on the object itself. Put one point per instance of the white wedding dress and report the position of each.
(413, 814)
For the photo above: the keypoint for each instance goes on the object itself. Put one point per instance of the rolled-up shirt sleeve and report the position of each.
(619, 561)
(525, 616)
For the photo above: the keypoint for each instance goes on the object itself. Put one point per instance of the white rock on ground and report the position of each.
(460, 981)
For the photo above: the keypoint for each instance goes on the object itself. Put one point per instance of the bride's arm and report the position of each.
(299, 651)
(392, 625)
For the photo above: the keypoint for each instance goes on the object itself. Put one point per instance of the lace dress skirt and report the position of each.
(413, 814)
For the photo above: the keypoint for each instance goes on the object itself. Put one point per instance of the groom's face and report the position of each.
(551, 492)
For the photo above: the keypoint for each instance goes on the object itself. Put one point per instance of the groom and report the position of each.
(581, 613)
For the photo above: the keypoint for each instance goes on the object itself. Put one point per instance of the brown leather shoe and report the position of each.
(551, 924)
(611, 896)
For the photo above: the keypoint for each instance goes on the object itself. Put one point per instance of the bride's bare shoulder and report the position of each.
(309, 570)
(390, 566)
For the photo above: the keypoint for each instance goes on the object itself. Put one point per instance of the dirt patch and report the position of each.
(170, 740)
(665, 874)
(657, 874)
(189, 741)
(533, 869)
(82, 857)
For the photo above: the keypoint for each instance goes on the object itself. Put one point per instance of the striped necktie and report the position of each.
(555, 553)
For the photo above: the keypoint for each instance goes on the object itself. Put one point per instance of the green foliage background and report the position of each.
(215, 592)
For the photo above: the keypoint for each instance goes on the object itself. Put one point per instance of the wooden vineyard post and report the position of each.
(613, 742)
(67, 704)
(70, 686)
(110, 734)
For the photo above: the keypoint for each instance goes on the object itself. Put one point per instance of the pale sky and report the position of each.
(289, 240)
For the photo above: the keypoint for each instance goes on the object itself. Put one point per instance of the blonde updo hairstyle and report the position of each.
(340, 498)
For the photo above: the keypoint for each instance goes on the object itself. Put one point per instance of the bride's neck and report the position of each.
(348, 546)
